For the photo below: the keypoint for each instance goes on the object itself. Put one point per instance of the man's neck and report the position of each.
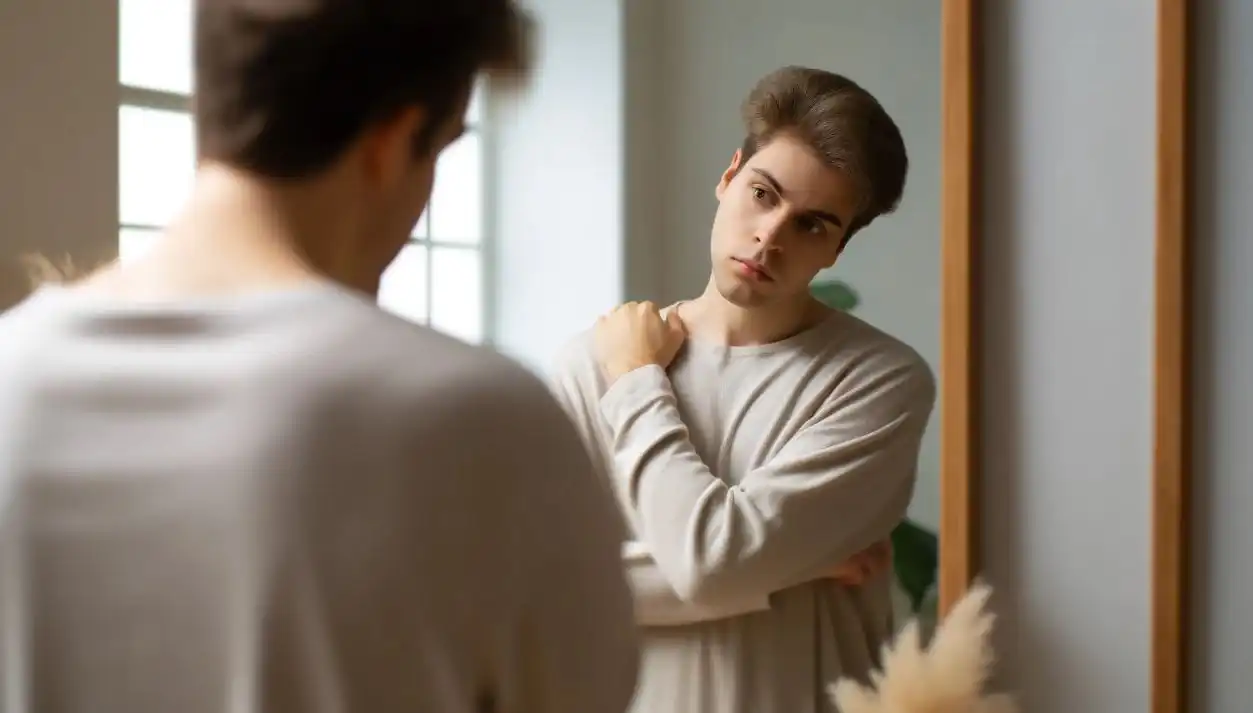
(712, 318)
(238, 235)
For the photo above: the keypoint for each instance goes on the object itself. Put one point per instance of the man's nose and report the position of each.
(771, 230)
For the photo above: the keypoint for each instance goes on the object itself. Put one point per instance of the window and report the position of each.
(439, 277)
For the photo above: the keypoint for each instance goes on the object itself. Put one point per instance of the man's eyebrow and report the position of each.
(778, 188)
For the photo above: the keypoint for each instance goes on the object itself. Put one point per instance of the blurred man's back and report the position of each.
(292, 501)
(230, 483)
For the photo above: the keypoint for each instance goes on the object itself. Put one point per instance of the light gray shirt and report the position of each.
(293, 502)
(745, 474)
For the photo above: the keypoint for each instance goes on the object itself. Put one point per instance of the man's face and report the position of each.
(782, 217)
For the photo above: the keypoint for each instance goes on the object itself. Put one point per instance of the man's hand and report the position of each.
(865, 565)
(634, 335)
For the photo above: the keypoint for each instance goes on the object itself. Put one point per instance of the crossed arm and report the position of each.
(840, 485)
(707, 550)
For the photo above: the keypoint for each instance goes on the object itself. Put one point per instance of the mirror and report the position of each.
(707, 55)
(736, 437)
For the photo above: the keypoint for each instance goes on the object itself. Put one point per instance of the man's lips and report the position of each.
(753, 269)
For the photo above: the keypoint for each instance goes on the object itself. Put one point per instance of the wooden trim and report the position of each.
(959, 339)
(1171, 397)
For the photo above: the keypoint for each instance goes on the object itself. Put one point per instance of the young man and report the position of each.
(757, 439)
(229, 482)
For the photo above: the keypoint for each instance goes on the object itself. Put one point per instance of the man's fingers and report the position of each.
(845, 570)
(864, 565)
(675, 322)
(878, 555)
(851, 573)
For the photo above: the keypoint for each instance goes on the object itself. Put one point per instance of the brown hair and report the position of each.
(842, 123)
(283, 87)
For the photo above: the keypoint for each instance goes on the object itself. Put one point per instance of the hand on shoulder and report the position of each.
(635, 335)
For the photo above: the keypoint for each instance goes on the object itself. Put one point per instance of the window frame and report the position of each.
(142, 98)
(145, 98)
(484, 246)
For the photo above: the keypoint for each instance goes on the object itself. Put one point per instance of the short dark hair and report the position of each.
(840, 122)
(283, 87)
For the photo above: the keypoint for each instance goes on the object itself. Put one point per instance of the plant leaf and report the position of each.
(915, 559)
(835, 294)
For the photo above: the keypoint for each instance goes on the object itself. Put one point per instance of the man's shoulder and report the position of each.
(427, 369)
(489, 418)
(577, 354)
(577, 368)
(869, 356)
(457, 409)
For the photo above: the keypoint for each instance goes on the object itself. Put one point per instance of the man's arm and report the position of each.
(576, 645)
(658, 604)
(577, 384)
(843, 483)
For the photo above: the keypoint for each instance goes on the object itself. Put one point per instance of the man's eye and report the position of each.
(812, 226)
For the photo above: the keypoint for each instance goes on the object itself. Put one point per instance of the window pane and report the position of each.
(157, 162)
(154, 44)
(133, 243)
(457, 293)
(403, 288)
(457, 200)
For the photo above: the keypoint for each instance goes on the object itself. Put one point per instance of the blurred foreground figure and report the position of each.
(230, 483)
(946, 677)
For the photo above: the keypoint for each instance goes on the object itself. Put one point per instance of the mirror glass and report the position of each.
(773, 441)
(708, 55)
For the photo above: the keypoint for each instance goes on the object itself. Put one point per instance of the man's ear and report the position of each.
(388, 147)
(728, 174)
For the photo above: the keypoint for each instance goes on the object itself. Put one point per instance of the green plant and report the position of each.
(835, 294)
(916, 560)
(915, 549)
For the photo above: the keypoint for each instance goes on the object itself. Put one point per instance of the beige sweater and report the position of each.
(293, 502)
(744, 473)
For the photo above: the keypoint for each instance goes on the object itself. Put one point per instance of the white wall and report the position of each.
(559, 183)
(1068, 208)
(1223, 476)
(58, 133)
(707, 55)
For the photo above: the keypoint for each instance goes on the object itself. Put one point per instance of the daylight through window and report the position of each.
(438, 278)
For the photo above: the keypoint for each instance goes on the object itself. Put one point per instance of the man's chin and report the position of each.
(740, 293)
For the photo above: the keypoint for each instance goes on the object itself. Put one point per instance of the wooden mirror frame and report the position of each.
(1172, 394)
(960, 344)
(959, 311)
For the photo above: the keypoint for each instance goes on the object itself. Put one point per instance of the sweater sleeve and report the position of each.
(657, 604)
(577, 385)
(843, 482)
